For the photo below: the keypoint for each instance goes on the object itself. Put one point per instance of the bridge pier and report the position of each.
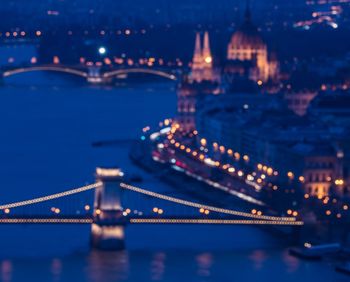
(107, 231)
(94, 76)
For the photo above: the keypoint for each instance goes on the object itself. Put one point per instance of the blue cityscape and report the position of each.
(192, 139)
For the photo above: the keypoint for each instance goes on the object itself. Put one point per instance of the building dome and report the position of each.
(247, 37)
(247, 46)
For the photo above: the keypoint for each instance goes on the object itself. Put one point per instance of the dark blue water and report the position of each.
(47, 126)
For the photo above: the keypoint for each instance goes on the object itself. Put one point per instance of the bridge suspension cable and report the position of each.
(46, 220)
(212, 221)
(51, 197)
(197, 205)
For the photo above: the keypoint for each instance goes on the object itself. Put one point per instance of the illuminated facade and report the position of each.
(202, 62)
(299, 102)
(202, 80)
(186, 106)
(247, 46)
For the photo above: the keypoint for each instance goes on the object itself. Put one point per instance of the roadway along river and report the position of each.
(47, 126)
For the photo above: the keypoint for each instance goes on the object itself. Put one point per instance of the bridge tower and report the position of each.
(107, 231)
(94, 75)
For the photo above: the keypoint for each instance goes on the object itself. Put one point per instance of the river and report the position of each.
(47, 126)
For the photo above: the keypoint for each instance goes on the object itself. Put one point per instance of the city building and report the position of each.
(203, 79)
(247, 54)
(202, 62)
(299, 101)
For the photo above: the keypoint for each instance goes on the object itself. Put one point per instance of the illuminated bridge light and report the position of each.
(46, 221)
(213, 221)
(45, 68)
(139, 70)
(206, 207)
(51, 197)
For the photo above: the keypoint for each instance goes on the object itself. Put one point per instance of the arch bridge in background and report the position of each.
(62, 69)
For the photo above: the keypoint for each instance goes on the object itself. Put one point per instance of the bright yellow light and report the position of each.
(231, 169)
(339, 182)
(160, 211)
(7, 211)
(208, 59)
(98, 212)
(87, 207)
(155, 209)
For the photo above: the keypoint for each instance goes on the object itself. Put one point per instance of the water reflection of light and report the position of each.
(158, 266)
(56, 269)
(6, 271)
(108, 266)
(204, 262)
(258, 257)
(292, 262)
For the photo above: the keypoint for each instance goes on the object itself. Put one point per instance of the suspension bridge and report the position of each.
(92, 74)
(109, 205)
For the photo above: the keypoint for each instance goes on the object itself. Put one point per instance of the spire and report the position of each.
(206, 51)
(197, 56)
(247, 14)
(197, 61)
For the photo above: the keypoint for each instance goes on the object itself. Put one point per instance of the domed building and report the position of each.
(247, 52)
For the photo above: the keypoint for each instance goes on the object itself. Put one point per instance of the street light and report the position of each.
(102, 50)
